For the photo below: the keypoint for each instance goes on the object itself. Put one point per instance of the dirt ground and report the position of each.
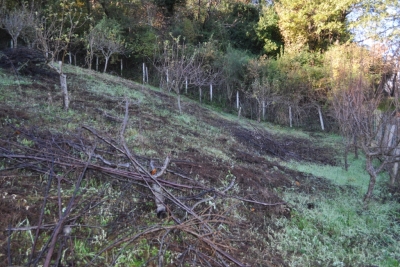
(22, 188)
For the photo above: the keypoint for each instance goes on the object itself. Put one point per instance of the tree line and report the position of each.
(290, 62)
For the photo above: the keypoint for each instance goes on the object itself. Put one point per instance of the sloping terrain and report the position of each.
(88, 168)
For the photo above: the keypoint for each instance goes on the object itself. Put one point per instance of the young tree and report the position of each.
(54, 32)
(14, 22)
(233, 70)
(206, 70)
(89, 42)
(260, 88)
(176, 66)
(106, 37)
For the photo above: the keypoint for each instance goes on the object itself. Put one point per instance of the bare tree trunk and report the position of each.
(346, 155)
(355, 146)
(167, 77)
(263, 110)
(144, 72)
(321, 119)
(290, 116)
(211, 92)
(393, 173)
(90, 59)
(64, 89)
(105, 65)
(237, 99)
(372, 179)
(179, 104)
(394, 167)
(200, 94)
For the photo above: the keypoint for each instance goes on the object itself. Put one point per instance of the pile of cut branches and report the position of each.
(94, 190)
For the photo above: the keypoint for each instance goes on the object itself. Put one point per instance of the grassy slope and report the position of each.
(327, 225)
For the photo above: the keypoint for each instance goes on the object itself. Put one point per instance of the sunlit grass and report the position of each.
(355, 176)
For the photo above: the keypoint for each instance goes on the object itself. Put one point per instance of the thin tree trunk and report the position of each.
(372, 179)
(355, 147)
(200, 94)
(346, 154)
(144, 72)
(290, 116)
(237, 99)
(263, 110)
(211, 92)
(105, 65)
(64, 89)
(321, 119)
(393, 173)
(179, 104)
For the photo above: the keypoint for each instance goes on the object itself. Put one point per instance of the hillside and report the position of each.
(234, 189)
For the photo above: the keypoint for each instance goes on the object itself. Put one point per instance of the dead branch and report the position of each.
(64, 216)
(201, 223)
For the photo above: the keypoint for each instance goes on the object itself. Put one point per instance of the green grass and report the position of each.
(339, 231)
(355, 176)
(9, 80)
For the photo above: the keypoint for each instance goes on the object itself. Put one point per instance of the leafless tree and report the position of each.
(204, 73)
(105, 37)
(90, 38)
(54, 33)
(377, 129)
(179, 68)
(15, 21)
(175, 66)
